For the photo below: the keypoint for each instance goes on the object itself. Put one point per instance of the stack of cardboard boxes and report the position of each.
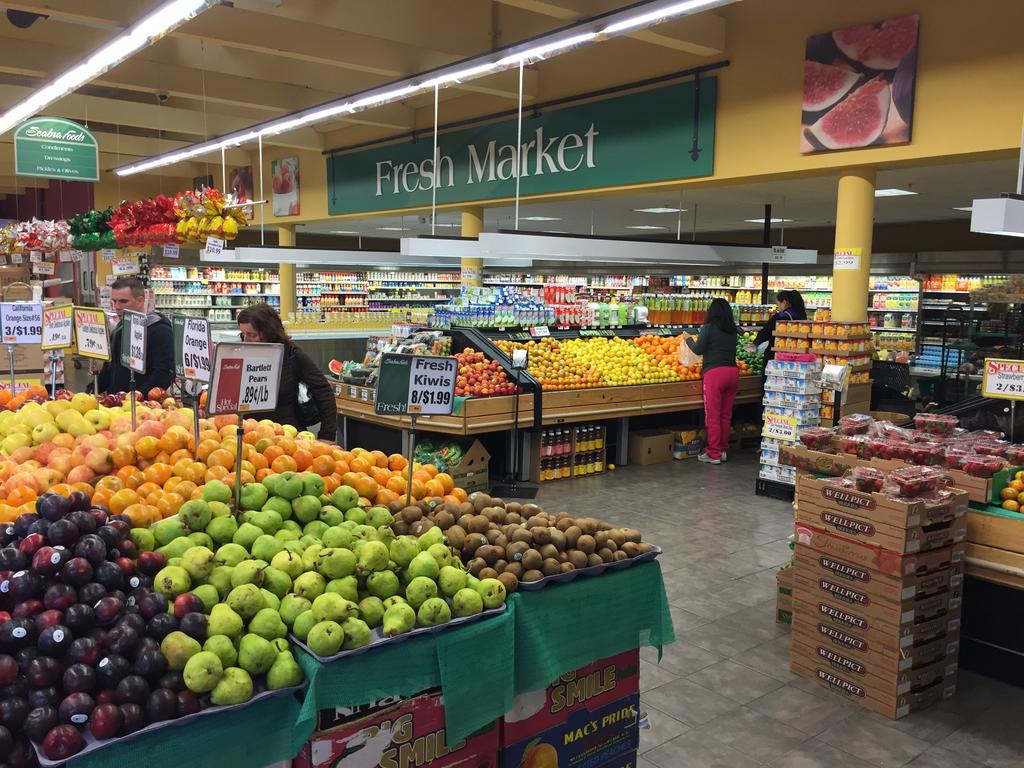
(877, 594)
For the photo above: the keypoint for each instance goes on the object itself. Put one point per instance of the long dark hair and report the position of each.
(267, 322)
(797, 310)
(720, 316)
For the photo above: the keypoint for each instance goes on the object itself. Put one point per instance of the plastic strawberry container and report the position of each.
(980, 465)
(1015, 455)
(854, 445)
(936, 423)
(868, 479)
(915, 481)
(991, 447)
(925, 454)
(881, 448)
(854, 424)
(817, 438)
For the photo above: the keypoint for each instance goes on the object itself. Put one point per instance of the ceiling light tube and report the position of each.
(541, 51)
(656, 16)
(166, 18)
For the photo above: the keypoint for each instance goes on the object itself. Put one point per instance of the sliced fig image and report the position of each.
(881, 45)
(856, 121)
(824, 85)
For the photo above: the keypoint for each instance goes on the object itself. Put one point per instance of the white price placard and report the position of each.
(846, 258)
(133, 341)
(21, 322)
(780, 427)
(47, 268)
(125, 265)
(192, 348)
(58, 327)
(214, 246)
(34, 257)
(246, 378)
(17, 258)
(108, 254)
(91, 331)
(540, 331)
(171, 251)
(1003, 379)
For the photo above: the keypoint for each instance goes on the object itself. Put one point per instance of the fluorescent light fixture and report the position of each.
(343, 232)
(539, 218)
(893, 192)
(145, 32)
(645, 226)
(657, 16)
(556, 232)
(540, 51)
(663, 209)
(770, 221)
(999, 216)
(393, 229)
(967, 208)
(463, 74)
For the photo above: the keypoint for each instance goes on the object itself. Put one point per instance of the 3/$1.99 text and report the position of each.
(23, 330)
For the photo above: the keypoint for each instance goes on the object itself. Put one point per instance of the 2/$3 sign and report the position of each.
(630, 139)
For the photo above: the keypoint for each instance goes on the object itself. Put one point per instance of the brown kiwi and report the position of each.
(562, 557)
(586, 544)
(541, 535)
(594, 560)
(444, 520)
(509, 580)
(496, 502)
(620, 555)
(577, 558)
(396, 506)
(513, 517)
(606, 554)
(420, 527)
(550, 567)
(425, 505)
(411, 514)
(513, 506)
(588, 525)
(609, 544)
(472, 543)
(632, 534)
(548, 551)
(557, 538)
(600, 539)
(489, 553)
(533, 575)
(530, 509)
(400, 527)
(572, 536)
(501, 565)
(481, 502)
(532, 559)
(475, 565)
(564, 523)
(618, 536)
(487, 573)
(515, 550)
(495, 514)
(643, 548)
(567, 567)
(522, 534)
(479, 524)
(501, 541)
(456, 537)
(603, 526)
(515, 569)
(631, 548)
(464, 521)
(492, 535)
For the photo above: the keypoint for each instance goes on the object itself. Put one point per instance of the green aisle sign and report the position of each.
(55, 148)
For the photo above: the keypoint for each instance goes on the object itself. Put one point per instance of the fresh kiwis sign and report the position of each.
(630, 139)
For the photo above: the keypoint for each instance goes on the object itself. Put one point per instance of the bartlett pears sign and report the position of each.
(632, 139)
(55, 148)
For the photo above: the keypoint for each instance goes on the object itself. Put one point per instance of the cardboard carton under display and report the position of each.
(407, 733)
(784, 595)
(650, 446)
(471, 473)
(589, 717)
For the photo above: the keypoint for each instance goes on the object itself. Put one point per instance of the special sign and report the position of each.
(58, 329)
(246, 378)
(780, 427)
(192, 348)
(418, 385)
(91, 332)
(1003, 379)
(21, 322)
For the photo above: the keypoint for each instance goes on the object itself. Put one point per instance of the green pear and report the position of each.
(356, 515)
(492, 591)
(373, 557)
(309, 556)
(268, 625)
(330, 514)
(395, 600)
(357, 634)
(288, 563)
(280, 644)
(200, 539)
(246, 534)
(208, 594)
(403, 550)
(222, 529)
(203, 671)
(277, 582)
(248, 572)
(267, 520)
(303, 623)
(306, 509)
(467, 602)
(398, 619)
(384, 535)
(199, 562)
(231, 554)
(291, 607)
(347, 587)
(283, 507)
(442, 553)
(284, 672)
(365, 532)
(195, 514)
(333, 607)
(178, 648)
(419, 590)
(451, 580)
(337, 537)
(285, 535)
(309, 585)
(223, 647)
(143, 539)
(316, 528)
(218, 509)
(224, 620)
(335, 563)
(220, 578)
(433, 612)
(325, 638)
(171, 581)
(371, 610)
(383, 584)
(235, 687)
(246, 600)
(378, 516)
(270, 600)
(255, 654)
(424, 565)
(431, 537)
(166, 531)
(176, 548)
(265, 547)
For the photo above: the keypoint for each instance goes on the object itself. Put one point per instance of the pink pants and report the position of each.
(719, 393)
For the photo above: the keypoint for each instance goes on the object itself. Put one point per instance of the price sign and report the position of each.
(419, 385)
(58, 327)
(66, 257)
(1003, 379)
(540, 331)
(780, 427)
(34, 257)
(44, 268)
(846, 258)
(778, 253)
(17, 258)
(133, 341)
(21, 322)
(91, 332)
(171, 251)
(214, 246)
(125, 265)
(108, 254)
(20, 384)
(246, 378)
(191, 347)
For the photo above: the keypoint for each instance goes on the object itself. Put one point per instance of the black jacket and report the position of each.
(298, 366)
(717, 347)
(114, 377)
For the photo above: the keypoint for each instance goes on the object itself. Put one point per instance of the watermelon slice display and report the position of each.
(857, 121)
(824, 85)
(881, 45)
(336, 367)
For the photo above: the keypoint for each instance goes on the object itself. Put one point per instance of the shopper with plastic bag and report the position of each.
(716, 344)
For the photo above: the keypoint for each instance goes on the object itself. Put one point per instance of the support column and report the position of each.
(472, 226)
(855, 212)
(285, 238)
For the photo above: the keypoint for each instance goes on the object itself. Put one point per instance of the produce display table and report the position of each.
(479, 668)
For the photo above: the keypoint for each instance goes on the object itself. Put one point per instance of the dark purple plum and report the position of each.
(91, 593)
(109, 534)
(83, 520)
(122, 524)
(149, 563)
(159, 626)
(63, 742)
(173, 681)
(145, 644)
(92, 548)
(49, 618)
(111, 670)
(84, 650)
(12, 559)
(22, 524)
(31, 543)
(77, 572)
(8, 670)
(121, 639)
(132, 689)
(78, 502)
(28, 609)
(187, 602)
(134, 621)
(55, 641)
(128, 549)
(6, 742)
(106, 696)
(47, 561)
(106, 721)
(188, 703)
(39, 721)
(109, 575)
(76, 708)
(134, 718)
(152, 605)
(17, 634)
(44, 671)
(13, 711)
(151, 665)
(53, 506)
(79, 678)
(25, 585)
(49, 696)
(162, 704)
(60, 597)
(108, 610)
(63, 533)
(39, 526)
(194, 625)
(24, 657)
(80, 618)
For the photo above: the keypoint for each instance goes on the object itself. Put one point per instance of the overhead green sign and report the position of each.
(632, 139)
(55, 148)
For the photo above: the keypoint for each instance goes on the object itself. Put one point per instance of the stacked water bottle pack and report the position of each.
(792, 402)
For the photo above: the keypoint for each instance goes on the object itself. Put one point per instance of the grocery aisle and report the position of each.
(723, 696)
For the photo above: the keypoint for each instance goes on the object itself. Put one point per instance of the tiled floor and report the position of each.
(723, 695)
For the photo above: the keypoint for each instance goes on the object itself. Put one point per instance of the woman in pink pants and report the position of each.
(717, 344)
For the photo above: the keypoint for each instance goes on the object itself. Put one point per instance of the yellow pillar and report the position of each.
(472, 226)
(286, 237)
(855, 212)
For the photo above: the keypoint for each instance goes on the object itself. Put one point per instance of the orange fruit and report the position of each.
(147, 447)
(384, 497)
(185, 489)
(359, 464)
(221, 458)
(434, 488)
(133, 478)
(1008, 493)
(1011, 505)
(272, 452)
(430, 469)
(124, 457)
(303, 459)
(397, 484)
(205, 448)
(138, 513)
(460, 494)
(147, 488)
(419, 489)
(217, 472)
(323, 465)
(331, 482)
(379, 458)
(396, 462)
(122, 500)
(110, 482)
(63, 489)
(262, 473)
(158, 473)
(283, 464)
(366, 486)
(446, 481)
(288, 445)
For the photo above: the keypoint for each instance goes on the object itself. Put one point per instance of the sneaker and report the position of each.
(725, 456)
(707, 459)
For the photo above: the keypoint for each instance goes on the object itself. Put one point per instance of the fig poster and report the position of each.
(859, 86)
(285, 185)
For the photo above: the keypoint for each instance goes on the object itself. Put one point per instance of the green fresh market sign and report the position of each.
(632, 139)
(55, 148)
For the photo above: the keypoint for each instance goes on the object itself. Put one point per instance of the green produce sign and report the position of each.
(631, 139)
(55, 148)
(416, 385)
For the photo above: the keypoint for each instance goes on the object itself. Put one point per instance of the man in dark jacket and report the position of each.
(129, 293)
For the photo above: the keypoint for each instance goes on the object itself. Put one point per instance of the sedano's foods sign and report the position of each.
(55, 148)
(636, 138)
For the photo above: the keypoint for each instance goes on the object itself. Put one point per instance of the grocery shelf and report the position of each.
(896, 330)
(891, 309)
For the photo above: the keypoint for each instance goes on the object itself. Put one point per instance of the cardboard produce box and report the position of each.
(471, 472)
(650, 446)
(589, 717)
(784, 595)
(410, 732)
